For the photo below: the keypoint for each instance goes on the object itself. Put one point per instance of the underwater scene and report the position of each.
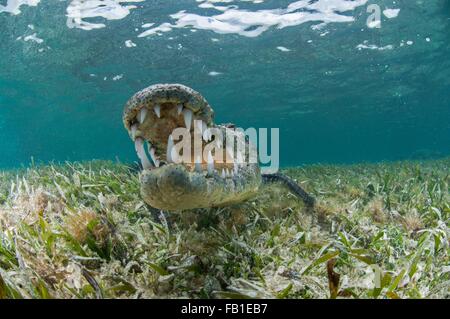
(273, 149)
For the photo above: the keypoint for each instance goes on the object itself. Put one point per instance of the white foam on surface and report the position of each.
(391, 13)
(232, 20)
(283, 49)
(130, 44)
(33, 37)
(147, 25)
(79, 10)
(13, 6)
(366, 46)
(226, 18)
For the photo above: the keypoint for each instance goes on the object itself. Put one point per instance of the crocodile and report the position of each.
(174, 180)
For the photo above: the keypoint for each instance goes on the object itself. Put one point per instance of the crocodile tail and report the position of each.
(292, 185)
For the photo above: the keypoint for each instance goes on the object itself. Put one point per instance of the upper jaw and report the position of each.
(153, 97)
(152, 114)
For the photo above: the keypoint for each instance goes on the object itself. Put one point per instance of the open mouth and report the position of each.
(152, 115)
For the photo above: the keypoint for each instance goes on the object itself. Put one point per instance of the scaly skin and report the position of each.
(175, 187)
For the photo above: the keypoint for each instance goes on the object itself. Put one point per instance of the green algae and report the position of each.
(81, 230)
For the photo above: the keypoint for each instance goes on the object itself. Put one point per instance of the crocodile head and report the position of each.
(177, 180)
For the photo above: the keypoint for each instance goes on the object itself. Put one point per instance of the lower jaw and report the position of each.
(174, 188)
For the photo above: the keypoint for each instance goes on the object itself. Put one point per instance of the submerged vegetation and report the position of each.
(82, 231)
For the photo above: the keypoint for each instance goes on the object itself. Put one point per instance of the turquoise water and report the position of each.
(339, 90)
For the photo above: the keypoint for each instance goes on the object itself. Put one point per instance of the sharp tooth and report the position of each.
(139, 146)
(179, 108)
(224, 175)
(133, 130)
(235, 167)
(187, 118)
(142, 115)
(240, 158)
(172, 155)
(176, 157)
(198, 164)
(199, 124)
(207, 135)
(229, 155)
(210, 163)
(157, 110)
(154, 157)
(219, 144)
(169, 149)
